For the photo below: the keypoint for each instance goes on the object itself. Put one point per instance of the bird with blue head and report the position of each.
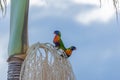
(69, 50)
(60, 45)
(58, 41)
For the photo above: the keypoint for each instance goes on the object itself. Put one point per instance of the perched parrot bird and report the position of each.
(58, 41)
(68, 51)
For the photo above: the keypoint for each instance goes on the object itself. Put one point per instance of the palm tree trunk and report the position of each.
(18, 40)
(14, 68)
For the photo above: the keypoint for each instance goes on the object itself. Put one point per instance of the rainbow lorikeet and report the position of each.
(68, 51)
(58, 41)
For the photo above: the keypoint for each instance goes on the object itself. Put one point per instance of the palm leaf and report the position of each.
(3, 4)
(100, 3)
(116, 6)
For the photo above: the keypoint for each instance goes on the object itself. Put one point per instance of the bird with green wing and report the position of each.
(60, 45)
(58, 41)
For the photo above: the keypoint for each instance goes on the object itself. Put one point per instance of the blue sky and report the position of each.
(93, 30)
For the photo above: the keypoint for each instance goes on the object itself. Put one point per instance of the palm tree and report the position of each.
(18, 40)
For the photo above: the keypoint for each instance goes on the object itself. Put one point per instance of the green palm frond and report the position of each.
(116, 6)
(100, 3)
(3, 5)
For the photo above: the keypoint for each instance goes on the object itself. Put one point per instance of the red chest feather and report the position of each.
(68, 52)
(56, 39)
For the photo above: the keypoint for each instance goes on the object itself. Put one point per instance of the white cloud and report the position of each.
(103, 14)
(38, 3)
(92, 2)
(51, 4)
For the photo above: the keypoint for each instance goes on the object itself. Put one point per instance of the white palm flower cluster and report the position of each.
(43, 62)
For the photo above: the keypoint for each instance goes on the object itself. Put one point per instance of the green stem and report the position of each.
(18, 40)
